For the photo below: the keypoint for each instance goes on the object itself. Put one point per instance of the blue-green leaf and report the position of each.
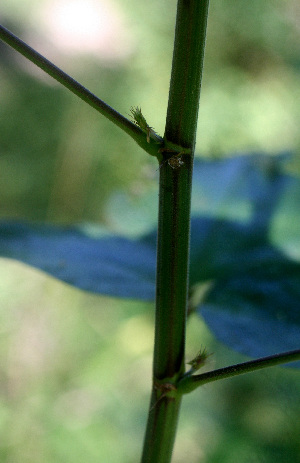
(109, 265)
(248, 245)
(245, 239)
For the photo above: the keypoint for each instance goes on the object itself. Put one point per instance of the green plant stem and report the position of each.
(187, 66)
(174, 231)
(75, 87)
(189, 383)
(161, 429)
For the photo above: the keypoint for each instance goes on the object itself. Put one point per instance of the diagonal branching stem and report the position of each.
(189, 383)
(75, 87)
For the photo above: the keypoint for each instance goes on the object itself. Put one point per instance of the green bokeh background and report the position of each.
(75, 368)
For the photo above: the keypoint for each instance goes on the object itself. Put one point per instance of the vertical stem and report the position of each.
(187, 69)
(174, 231)
(172, 270)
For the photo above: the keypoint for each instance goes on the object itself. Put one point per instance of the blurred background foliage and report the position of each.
(75, 369)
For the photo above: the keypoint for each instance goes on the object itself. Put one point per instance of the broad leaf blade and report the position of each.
(251, 253)
(256, 314)
(242, 239)
(109, 265)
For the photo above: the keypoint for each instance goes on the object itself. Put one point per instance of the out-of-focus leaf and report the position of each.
(243, 206)
(109, 265)
(256, 314)
(254, 303)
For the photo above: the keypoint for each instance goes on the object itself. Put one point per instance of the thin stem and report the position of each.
(75, 87)
(174, 230)
(189, 383)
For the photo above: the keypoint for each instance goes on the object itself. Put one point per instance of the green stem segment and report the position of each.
(161, 429)
(75, 87)
(189, 383)
(174, 231)
(185, 86)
